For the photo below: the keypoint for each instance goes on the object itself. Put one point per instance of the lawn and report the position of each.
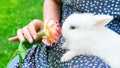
(15, 14)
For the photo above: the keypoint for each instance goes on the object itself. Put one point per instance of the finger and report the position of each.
(38, 24)
(13, 39)
(20, 35)
(34, 27)
(27, 34)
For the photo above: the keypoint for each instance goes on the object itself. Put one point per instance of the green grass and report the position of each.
(15, 14)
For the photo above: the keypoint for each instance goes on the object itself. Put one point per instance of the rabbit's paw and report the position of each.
(67, 56)
(64, 46)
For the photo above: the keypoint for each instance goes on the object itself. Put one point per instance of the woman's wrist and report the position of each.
(51, 21)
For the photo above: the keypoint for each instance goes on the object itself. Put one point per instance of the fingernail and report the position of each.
(22, 40)
(31, 40)
(35, 37)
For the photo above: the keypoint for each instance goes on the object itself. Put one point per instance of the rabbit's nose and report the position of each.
(72, 27)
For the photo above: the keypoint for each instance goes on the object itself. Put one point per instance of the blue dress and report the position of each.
(49, 57)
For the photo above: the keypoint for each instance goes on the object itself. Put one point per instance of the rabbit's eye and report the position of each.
(72, 27)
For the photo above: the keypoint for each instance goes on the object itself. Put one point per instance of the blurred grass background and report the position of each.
(15, 14)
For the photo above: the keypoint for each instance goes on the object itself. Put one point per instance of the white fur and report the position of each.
(89, 39)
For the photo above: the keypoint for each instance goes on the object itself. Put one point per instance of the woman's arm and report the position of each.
(51, 10)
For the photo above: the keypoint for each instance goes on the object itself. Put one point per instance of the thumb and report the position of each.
(13, 39)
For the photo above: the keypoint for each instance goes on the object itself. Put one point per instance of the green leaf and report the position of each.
(24, 46)
(22, 50)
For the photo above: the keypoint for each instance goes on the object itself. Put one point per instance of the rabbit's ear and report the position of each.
(102, 20)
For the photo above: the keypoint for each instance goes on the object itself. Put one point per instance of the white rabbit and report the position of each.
(85, 34)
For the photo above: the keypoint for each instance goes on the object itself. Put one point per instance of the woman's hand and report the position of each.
(28, 32)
